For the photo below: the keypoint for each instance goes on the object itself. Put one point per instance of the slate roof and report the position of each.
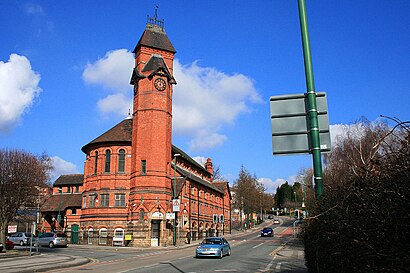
(197, 179)
(222, 186)
(61, 202)
(69, 179)
(155, 37)
(119, 134)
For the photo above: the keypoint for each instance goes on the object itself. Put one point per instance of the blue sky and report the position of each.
(65, 70)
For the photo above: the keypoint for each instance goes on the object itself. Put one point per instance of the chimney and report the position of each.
(208, 166)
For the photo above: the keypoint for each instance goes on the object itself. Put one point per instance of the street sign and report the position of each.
(176, 204)
(11, 229)
(291, 126)
(170, 216)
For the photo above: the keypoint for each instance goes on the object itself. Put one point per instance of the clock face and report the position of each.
(160, 84)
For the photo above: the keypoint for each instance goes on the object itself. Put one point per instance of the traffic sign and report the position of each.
(176, 205)
(290, 124)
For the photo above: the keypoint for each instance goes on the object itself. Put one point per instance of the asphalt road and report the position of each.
(250, 253)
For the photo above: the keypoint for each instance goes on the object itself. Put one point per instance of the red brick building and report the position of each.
(132, 172)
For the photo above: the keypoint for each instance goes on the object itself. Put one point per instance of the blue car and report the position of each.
(213, 247)
(267, 232)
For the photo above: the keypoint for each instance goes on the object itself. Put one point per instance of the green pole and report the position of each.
(311, 94)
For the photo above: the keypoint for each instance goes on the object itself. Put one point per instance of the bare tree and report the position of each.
(20, 173)
(217, 175)
(248, 191)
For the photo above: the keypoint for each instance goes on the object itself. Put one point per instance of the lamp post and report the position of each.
(174, 196)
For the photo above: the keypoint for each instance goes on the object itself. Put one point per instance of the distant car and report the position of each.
(21, 238)
(52, 239)
(270, 216)
(267, 232)
(276, 222)
(213, 247)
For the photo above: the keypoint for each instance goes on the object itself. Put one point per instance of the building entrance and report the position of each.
(155, 232)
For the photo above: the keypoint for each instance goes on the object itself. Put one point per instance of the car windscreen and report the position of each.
(212, 242)
(62, 235)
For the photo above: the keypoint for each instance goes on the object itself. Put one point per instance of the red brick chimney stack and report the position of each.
(208, 166)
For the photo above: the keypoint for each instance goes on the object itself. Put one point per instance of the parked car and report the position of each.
(267, 232)
(213, 247)
(1, 247)
(21, 238)
(52, 239)
(276, 222)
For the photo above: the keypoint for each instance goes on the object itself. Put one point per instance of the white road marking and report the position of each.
(258, 245)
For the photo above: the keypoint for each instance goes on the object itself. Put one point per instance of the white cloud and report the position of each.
(33, 8)
(118, 104)
(200, 159)
(206, 99)
(338, 132)
(113, 71)
(18, 90)
(271, 185)
(204, 139)
(61, 167)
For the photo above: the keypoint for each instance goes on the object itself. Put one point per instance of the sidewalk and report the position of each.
(289, 258)
(23, 262)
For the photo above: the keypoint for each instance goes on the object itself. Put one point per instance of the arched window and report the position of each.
(118, 238)
(96, 162)
(121, 161)
(107, 161)
(90, 234)
(142, 215)
(103, 236)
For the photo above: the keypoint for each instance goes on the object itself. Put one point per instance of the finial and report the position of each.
(155, 21)
(129, 114)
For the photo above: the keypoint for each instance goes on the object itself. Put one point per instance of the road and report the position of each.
(250, 253)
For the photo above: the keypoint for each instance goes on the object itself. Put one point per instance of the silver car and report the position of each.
(52, 239)
(21, 238)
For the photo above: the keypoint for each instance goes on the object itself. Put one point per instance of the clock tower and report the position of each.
(151, 173)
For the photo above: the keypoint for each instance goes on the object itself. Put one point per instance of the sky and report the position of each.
(65, 68)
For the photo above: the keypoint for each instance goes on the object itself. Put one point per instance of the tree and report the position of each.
(248, 192)
(20, 173)
(360, 224)
(217, 175)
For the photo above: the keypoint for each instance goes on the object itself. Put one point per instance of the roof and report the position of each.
(197, 179)
(61, 202)
(69, 179)
(119, 134)
(155, 37)
(176, 150)
(223, 186)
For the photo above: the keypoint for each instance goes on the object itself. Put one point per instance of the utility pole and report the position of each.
(174, 237)
(311, 94)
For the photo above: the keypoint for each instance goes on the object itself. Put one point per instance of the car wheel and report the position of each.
(229, 252)
(51, 244)
(21, 243)
(221, 255)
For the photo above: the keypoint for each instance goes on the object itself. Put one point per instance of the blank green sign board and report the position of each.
(290, 124)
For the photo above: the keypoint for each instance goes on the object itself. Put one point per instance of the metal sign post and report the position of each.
(314, 127)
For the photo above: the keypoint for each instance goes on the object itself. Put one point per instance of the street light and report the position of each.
(174, 196)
